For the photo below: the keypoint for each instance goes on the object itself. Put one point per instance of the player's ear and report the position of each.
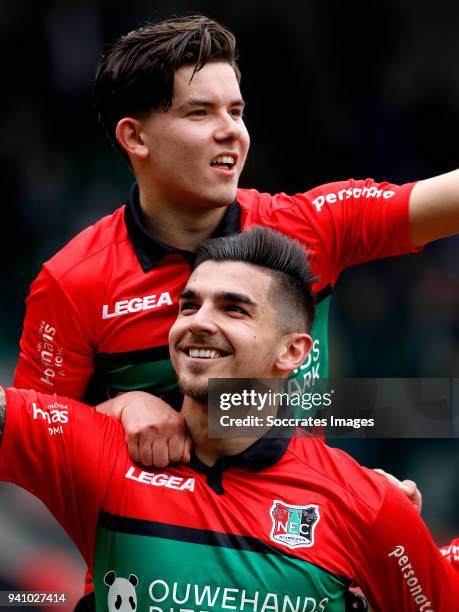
(129, 134)
(294, 349)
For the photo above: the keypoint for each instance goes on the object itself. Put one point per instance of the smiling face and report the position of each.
(227, 328)
(195, 152)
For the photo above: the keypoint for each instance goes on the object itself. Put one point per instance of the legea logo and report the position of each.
(135, 304)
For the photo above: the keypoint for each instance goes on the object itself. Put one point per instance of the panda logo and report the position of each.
(121, 595)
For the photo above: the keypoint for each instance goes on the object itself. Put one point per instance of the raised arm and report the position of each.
(399, 566)
(434, 208)
(63, 452)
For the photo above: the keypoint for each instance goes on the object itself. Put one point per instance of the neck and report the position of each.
(184, 228)
(208, 450)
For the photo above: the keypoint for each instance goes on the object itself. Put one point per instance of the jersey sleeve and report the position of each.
(351, 222)
(56, 355)
(399, 566)
(63, 452)
(451, 553)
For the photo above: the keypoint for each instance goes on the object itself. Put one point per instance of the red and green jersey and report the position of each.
(99, 312)
(284, 526)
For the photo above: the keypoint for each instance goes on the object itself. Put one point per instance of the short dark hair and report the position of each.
(136, 75)
(284, 258)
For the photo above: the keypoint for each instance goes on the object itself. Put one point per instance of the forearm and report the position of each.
(434, 208)
(139, 402)
(112, 407)
(2, 410)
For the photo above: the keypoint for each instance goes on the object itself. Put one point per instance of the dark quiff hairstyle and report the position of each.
(136, 75)
(281, 256)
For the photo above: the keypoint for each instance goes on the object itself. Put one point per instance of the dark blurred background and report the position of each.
(334, 90)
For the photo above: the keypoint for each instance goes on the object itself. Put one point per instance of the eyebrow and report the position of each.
(206, 103)
(226, 296)
(187, 294)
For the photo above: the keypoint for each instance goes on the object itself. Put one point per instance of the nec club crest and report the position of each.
(294, 526)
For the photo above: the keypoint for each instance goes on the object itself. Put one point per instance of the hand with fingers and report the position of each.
(155, 433)
(409, 487)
